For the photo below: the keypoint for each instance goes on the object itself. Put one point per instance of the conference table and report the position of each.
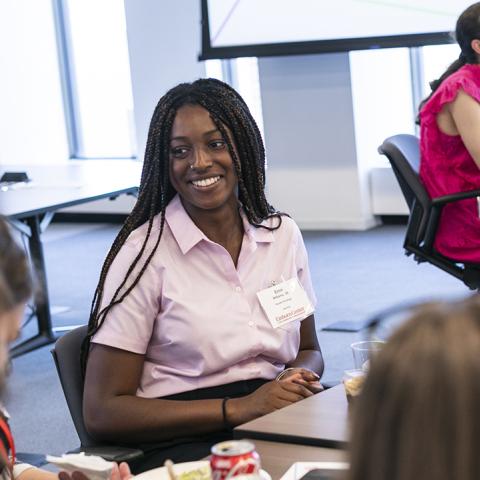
(278, 457)
(30, 206)
(312, 430)
(320, 420)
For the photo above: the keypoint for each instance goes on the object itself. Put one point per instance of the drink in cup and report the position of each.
(353, 381)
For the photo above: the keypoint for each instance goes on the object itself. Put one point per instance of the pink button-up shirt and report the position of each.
(196, 316)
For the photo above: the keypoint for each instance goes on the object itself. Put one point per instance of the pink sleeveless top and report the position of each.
(447, 167)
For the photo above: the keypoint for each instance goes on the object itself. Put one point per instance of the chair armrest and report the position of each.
(454, 197)
(112, 453)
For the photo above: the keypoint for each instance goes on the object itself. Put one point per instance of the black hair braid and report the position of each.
(232, 117)
(247, 138)
(145, 208)
(251, 170)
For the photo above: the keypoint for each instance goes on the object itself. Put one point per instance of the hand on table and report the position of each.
(269, 397)
(119, 472)
(303, 376)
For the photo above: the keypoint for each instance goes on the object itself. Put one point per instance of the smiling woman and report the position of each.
(179, 348)
(201, 167)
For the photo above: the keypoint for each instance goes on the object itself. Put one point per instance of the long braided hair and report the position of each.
(466, 30)
(229, 113)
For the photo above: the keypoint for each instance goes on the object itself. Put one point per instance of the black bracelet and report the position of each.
(226, 423)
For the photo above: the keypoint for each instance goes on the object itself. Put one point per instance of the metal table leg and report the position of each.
(45, 334)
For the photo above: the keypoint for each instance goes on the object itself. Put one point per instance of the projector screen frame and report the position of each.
(315, 46)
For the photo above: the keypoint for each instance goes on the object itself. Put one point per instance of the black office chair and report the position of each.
(66, 354)
(403, 152)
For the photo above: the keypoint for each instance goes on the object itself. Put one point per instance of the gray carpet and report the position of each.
(354, 273)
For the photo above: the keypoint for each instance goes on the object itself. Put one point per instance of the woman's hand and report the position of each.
(302, 376)
(269, 397)
(119, 472)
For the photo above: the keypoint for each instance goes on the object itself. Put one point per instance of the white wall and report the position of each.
(387, 198)
(310, 139)
(32, 122)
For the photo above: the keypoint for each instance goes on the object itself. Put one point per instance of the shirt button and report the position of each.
(238, 289)
(250, 324)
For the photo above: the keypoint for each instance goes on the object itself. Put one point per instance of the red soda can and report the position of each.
(232, 458)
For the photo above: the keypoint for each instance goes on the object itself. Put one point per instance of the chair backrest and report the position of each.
(403, 152)
(66, 354)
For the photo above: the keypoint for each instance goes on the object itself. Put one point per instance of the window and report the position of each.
(436, 59)
(242, 74)
(382, 100)
(214, 69)
(98, 73)
(32, 118)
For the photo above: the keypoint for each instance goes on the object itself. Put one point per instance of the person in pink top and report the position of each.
(450, 143)
(180, 349)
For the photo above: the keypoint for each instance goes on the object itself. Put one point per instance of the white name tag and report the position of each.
(285, 302)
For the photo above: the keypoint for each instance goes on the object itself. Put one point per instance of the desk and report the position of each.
(277, 457)
(30, 207)
(320, 420)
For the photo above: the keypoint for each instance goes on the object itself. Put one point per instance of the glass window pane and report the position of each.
(436, 59)
(242, 74)
(213, 69)
(382, 100)
(100, 74)
(248, 85)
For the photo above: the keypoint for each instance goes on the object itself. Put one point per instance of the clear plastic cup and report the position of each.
(364, 351)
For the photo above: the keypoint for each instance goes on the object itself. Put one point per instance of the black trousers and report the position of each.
(195, 447)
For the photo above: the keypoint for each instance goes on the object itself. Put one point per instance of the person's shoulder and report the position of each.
(288, 222)
(466, 78)
(467, 74)
(469, 70)
(282, 224)
(137, 237)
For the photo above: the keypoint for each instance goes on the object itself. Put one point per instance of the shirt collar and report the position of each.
(256, 234)
(187, 234)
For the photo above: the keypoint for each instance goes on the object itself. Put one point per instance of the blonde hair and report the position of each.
(418, 415)
(15, 275)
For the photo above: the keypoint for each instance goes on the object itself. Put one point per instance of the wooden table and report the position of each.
(277, 457)
(30, 208)
(320, 420)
